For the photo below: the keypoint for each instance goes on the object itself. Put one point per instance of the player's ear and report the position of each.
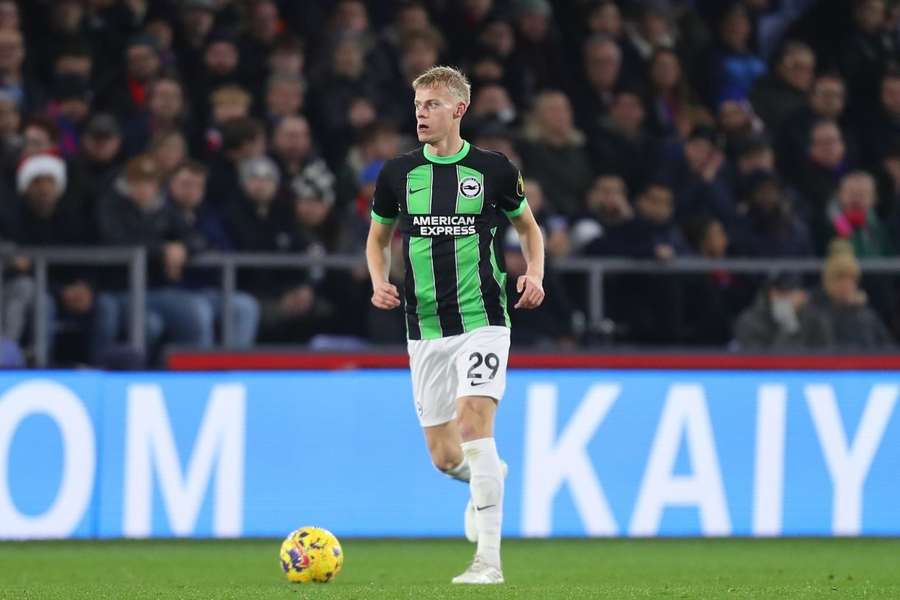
(460, 110)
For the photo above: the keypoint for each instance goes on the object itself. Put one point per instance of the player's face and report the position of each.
(436, 112)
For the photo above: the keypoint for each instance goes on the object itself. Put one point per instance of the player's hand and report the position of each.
(385, 295)
(532, 291)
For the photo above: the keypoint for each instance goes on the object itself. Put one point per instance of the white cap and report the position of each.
(38, 165)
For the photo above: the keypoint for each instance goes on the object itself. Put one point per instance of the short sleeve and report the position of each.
(385, 207)
(512, 191)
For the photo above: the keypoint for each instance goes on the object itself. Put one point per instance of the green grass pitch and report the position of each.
(421, 569)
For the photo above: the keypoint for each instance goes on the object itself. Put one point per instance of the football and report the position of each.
(311, 554)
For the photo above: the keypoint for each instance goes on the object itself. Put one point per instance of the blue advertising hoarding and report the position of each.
(601, 453)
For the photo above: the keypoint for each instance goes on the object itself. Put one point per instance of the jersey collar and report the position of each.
(446, 160)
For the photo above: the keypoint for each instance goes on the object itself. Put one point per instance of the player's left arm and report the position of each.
(530, 285)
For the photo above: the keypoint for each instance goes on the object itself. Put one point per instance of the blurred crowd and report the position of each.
(651, 129)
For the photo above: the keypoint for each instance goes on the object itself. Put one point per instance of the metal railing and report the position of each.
(133, 258)
(595, 270)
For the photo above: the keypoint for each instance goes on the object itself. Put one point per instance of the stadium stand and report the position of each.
(657, 131)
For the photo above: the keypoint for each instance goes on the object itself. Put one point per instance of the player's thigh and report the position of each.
(481, 359)
(433, 381)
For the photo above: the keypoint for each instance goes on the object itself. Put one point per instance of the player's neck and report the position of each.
(448, 146)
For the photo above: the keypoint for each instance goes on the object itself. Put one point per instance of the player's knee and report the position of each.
(444, 461)
(443, 456)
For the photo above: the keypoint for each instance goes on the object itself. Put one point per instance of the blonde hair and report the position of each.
(230, 95)
(840, 262)
(451, 77)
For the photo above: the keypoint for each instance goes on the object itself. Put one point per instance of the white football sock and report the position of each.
(461, 471)
(486, 486)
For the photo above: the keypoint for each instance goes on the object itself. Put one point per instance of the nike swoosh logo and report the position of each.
(481, 508)
(474, 383)
(418, 190)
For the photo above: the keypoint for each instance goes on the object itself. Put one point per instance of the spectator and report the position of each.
(242, 139)
(605, 18)
(755, 154)
(75, 59)
(168, 150)
(99, 160)
(259, 220)
(134, 213)
(881, 126)
(26, 94)
(734, 68)
(220, 69)
(651, 28)
(539, 48)
(888, 176)
(462, 19)
(39, 136)
(671, 95)
(826, 101)
(622, 143)
(779, 320)
(142, 67)
(653, 233)
(841, 318)
(293, 151)
(649, 309)
(602, 59)
(350, 17)
(420, 52)
(39, 217)
(866, 52)
(783, 91)
(410, 17)
(555, 153)
(195, 23)
(339, 295)
(228, 102)
(186, 191)
(554, 226)
(346, 99)
(64, 26)
(819, 174)
(288, 58)
(284, 97)
(769, 227)
(262, 221)
(607, 210)
(9, 15)
(10, 139)
(377, 144)
(165, 110)
(497, 39)
(853, 218)
(314, 209)
(738, 124)
(45, 216)
(551, 326)
(498, 139)
(698, 179)
(264, 28)
(70, 107)
(491, 104)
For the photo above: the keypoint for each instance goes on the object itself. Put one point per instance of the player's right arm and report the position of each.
(378, 255)
(378, 245)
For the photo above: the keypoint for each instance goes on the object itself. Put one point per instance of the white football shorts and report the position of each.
(444, 369)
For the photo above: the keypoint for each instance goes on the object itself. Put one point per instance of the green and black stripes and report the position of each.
(449, 208)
